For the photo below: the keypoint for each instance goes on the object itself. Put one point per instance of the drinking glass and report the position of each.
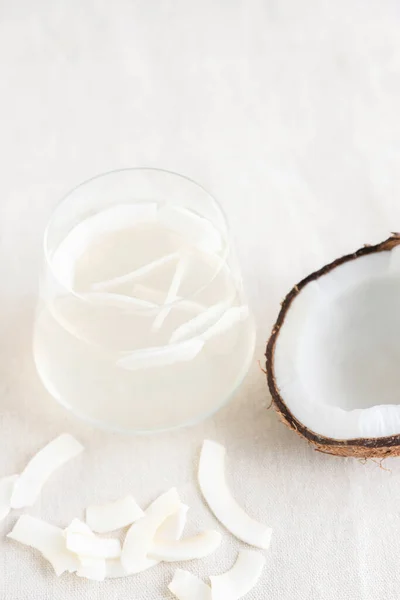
(141, 323)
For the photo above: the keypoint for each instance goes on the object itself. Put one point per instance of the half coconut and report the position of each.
(333, 359)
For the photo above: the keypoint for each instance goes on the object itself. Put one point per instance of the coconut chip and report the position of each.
(114, 515)
(139, 539)
(198, 323)
(6, 491)
(84, 542)
(173, 526)
(171, 529)
(53, 456)
(198, 546)
(92, 568)
(161, 356)
(227, 321)
(110, 300)
(48, 540)
(137, 273)
(186, 586)
(152, 295)
(172, 293)
(213, 485)
(243, 576)
(80, 237)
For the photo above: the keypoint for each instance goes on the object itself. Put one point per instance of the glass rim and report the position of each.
(83, 297)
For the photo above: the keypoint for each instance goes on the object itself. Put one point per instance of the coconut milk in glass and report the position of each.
(141, 324)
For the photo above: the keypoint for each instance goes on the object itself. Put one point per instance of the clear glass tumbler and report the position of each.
(141, 323)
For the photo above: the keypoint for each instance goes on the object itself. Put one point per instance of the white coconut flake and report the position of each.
(186, 586)
(173, 526)
(157, 297)
(140, 536)
(162, 356)
(199, 230)
(48, 540)
(81, 540)
(92, 568)
(196, 325)
(78, 239)
(53, 456)
(172, 293)
(89, 545)
(198, 546)
(171, 529)
(6, 491)
(108, 299)
(215, 490)
(78, 526)
(135, 274)
(227, 321)
(114, 515)
(115, 569)
(242, 578)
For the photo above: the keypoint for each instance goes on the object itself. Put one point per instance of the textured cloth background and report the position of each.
(288, 112)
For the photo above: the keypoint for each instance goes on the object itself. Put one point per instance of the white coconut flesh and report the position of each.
(172, 528)
(106, 221)
(81, 540)
(114, 515)
(337, 354)
(212, 481)
(242, 578)
(186, 586)
(139, 538)
(29, 484)
(92, 568)
(6, 491)
(198, 546)
(48, 540)
(137, 273)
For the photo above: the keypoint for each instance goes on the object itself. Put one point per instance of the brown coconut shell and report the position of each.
(359, 447)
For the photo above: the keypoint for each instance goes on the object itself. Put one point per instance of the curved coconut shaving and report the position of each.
(228, 319)
(140, 536)
(53, 456)
(172, 293)
(6, 490)
(110, 300)
(87, 544)
(48, 540)
(172, 528)
(333, 356)
(92, 568)
(198, 323)
(143, 292)
(243, 576)
(218, 497)
(186, 586)
(80, 237)
(137, 273)
(114, 515)
(198, 546)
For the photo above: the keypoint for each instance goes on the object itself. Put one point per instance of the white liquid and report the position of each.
(113, 355)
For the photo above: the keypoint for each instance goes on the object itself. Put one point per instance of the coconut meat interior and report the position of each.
(337, 354)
